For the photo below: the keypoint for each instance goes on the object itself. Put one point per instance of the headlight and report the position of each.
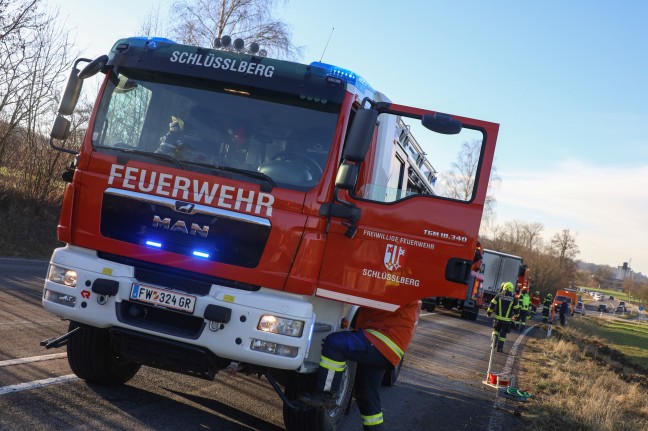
(279, 325)
(274, 348)
(63, 276)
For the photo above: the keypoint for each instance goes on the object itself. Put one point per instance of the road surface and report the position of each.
(440, 385)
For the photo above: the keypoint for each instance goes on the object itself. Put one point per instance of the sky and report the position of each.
(566, 80)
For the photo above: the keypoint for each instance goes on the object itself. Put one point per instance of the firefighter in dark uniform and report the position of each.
(546, 307)
(377, 343)
(506, 308)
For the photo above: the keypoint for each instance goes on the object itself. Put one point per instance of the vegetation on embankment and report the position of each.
(27, 228)
(581, 378)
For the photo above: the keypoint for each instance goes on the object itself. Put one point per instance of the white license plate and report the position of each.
(163, 298)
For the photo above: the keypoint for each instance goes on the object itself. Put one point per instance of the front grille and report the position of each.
(159, 319)
(177, 279)
(158, 278)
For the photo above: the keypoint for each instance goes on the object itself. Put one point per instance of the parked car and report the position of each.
(620, 309)
(622, 303)
(580, 308)
(603, 308)
(611, 297)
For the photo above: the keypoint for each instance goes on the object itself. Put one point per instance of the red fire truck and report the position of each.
(227, 210)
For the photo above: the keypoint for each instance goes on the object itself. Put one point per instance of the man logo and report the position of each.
(184, 207)
(180, 226)
(393, 254)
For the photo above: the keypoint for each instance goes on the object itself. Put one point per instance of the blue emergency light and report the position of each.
(200, 254)
(345, 75)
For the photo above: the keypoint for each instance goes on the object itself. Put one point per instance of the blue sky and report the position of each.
(566, 80)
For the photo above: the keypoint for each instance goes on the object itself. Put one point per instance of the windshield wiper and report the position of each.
(252, 174)
(159, 156)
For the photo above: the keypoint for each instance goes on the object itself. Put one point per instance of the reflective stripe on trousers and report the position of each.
(372, 420)
(385, 339)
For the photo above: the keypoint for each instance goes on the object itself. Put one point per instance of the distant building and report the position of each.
(623, 273)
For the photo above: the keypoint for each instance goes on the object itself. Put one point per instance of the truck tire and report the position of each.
(470, 313)
(449, 303)
(317, 419)
(92, 358)
(391, 375)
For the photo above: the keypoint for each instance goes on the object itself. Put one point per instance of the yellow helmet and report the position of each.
(507, 286)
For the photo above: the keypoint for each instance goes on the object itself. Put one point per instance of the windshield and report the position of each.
(199, 124)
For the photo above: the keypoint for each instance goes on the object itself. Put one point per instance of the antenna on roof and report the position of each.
(327, 42)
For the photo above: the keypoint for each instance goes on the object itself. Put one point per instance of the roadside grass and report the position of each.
(628, 337)
(579, 383)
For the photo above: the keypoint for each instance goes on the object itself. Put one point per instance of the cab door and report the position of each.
(408, 207)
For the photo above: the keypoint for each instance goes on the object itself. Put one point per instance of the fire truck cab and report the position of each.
(228, 210)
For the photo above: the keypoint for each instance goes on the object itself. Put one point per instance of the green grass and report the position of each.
(628, 337)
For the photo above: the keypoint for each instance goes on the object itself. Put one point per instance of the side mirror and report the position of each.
(442, 123)
(60, 129)
(360, 135)
(347, 176)
(94, 67)
(72, 90)
(71, 93)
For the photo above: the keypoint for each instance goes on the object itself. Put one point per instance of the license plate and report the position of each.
(163, 298)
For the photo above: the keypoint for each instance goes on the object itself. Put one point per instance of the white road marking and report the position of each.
(30, 359)
(36, 384)
(497, 417)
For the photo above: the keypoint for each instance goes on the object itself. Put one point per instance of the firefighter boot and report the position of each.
(500, 346)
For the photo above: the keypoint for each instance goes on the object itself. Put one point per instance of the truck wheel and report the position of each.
(428, 306)
(317, 419)
(92, 358)
(391, 376)
(449, 303)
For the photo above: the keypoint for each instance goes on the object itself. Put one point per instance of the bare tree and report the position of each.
(565, 246)
(200, 22)
(49, 57)
(18, 21)
(16, 16)
(459, 182)
(152, 24)
(517, 235)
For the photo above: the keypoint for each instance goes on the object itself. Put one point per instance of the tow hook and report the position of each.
(56, 342)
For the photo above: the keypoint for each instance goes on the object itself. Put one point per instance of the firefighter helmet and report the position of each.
(507, 286)
(537, 292)
(549, 295)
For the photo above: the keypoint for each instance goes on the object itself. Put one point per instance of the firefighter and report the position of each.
(525, 301)
(173, 143)
(546, 307)
(563, 310)
(506, 309)
(377, 343)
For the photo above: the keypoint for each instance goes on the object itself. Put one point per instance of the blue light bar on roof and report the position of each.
(348, 76)
(150, 42)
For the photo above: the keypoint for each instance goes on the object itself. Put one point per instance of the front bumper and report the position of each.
(234, 337)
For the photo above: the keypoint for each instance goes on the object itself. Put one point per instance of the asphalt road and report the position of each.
(440, 386)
